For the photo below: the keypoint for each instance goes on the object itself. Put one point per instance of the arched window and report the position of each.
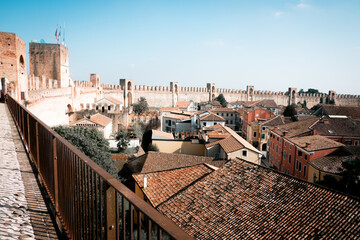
(21, 61)
(129, 85)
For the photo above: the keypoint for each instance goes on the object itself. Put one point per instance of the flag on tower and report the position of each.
(56, 34)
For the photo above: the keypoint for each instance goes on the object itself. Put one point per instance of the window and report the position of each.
(290, 146)
(244, 153)
(231, 121)
(97, 108)
(304, 173)
(226, 122)
(204, 123)
(283, 169)
(284, 154)
(109, 107)
(277, 138)
(306, 156)
(263, 128)
(356, 142)
(289, 158)
(263, 136)
(276, 148)
(348, 142)
(299, 166)
(227, 114)
(231, 115)
(314, 177)
(296, 164)
(285, 143)
(254, 134)
(299, 153)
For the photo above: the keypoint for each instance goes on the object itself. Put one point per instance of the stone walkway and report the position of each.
(23, 212)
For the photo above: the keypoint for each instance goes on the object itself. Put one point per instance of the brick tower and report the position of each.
(13, 72)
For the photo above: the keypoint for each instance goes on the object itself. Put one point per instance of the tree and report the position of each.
(123, 139)
(304, 104)
(290, 111)
(321, 100)
(141, 106)
(349, 183)
(92, 143)
(221, 100)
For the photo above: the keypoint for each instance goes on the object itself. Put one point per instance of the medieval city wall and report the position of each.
(159, 96)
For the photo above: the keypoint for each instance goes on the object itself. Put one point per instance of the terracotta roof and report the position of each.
(226, 110)
(350, 111)
(176, 116)
(101, 119)
(157, 161)
(212, 117)
(246, 201)
(218, 134)
(230, 144)
(275, 121)
(168, 109)
(114, 100)
(162, 185)
(233, 142)
(214, 127)
(317, 142)
(332, 163)
(337, 127)
(156, 134)
(183, 104)
(295, 128)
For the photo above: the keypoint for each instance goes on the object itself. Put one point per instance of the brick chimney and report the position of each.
(285, 133)
(308, 144)
(313, 132)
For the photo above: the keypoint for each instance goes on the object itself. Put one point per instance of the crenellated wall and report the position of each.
(160, 96)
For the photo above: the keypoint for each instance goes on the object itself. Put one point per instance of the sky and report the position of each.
(270, 44)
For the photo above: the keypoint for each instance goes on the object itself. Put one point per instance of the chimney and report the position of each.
(313, 132)
(145, 181)
(285, 133)
(308, 144)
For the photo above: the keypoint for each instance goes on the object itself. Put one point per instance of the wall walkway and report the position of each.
(23, 212)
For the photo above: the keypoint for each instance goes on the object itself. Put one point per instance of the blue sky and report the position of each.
(272, 45)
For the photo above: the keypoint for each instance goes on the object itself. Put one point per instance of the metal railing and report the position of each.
(89, 202)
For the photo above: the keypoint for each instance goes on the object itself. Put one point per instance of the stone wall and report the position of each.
(160, 96)
(51, 61)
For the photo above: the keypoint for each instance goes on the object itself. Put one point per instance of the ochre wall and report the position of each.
(178, 146)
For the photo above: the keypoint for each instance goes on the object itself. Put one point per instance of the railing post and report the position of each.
(28, 128)
(37, 147)
(110, 213)
(56, 182)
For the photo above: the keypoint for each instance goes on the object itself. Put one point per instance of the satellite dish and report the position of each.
(42, 41)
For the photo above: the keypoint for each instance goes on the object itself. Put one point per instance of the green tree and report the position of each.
(349, 183)
(321, 100)
(304, 104)
(92, 143)
(123, 139)
(221, 99)
(141, 106)
(290, 111)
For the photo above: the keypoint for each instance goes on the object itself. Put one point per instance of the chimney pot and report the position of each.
(145, 181)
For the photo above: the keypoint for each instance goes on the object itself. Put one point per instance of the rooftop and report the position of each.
(212, 117)
(246, 201)
(295, 128)
(157, 161)
(100, 119)
(316, 142)
(164, 184)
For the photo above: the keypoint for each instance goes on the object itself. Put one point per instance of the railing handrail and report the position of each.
(162, 221)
